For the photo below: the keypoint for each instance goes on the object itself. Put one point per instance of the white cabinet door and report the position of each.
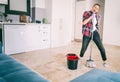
(45, 36)
(14, 38)
(37, 36)
(80, 7)
(32, 37)
(40, 3)
(61, 22)
(20, 38)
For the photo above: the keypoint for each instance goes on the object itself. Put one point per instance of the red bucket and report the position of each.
(72, 61)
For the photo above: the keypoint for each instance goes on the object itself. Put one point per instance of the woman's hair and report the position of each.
(96, 4)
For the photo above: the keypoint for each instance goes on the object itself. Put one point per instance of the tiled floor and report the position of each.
(52, 63)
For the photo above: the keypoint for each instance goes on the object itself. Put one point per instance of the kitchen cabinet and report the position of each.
(18, 38)
(14, 38)
(32, 37)
(45, 36)
(37, 36)
(38, 3)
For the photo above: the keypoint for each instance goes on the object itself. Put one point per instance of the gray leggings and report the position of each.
(96, 39)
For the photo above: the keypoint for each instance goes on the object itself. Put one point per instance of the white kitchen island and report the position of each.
(24, 37)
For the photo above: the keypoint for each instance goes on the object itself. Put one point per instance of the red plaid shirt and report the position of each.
(87, 28)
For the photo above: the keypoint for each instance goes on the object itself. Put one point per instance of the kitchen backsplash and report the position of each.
(2, 8)
(14, 18)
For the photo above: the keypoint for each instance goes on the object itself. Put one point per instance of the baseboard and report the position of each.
(77, 40)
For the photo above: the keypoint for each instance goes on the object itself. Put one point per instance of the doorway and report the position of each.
(80, 7)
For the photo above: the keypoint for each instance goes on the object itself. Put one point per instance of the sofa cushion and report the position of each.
(98, 75)
(2, 80)
(9, 65)
(13, 71)
(0, 47)
(24, 76)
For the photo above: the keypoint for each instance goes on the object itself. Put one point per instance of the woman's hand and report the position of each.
(99, 18)
(88, 19)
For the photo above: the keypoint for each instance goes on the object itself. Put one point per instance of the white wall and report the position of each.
(90, 3)
(48, 10)
(62, 22)
(81, 7)
(111, 29)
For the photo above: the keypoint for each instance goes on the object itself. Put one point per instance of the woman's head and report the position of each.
(96, 8)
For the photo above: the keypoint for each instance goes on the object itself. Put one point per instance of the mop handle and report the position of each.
(91, 46)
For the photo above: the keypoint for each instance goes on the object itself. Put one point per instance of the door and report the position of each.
(32, 37)
(80, 8)
(61, 22)
(14, 40)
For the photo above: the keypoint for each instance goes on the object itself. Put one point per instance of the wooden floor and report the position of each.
(52, 63)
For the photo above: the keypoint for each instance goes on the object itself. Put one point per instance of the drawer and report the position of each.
(44, 28)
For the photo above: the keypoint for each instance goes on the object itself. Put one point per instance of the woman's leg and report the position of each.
(96, 39)
(85, 42)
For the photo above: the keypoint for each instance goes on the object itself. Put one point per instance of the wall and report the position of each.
(112, 22)
(38, 10)
(48, 10)
(62, 22)
(79, 10)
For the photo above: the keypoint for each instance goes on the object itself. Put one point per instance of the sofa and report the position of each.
(98, 75)
(13, 71)
(0, 47)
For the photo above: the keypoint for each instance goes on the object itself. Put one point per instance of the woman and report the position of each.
(91, 20)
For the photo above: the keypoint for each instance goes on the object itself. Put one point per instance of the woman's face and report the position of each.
(95, 8)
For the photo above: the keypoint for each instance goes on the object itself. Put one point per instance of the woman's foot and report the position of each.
(105, 64)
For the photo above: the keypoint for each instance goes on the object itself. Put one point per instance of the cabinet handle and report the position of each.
(45, 40)
(44, 32)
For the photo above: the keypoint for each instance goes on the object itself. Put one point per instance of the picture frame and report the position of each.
(18, 12)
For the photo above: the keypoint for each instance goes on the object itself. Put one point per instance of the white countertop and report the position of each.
(18, 23)
(14, 23)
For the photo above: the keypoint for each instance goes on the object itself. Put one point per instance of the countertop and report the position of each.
(17, 23)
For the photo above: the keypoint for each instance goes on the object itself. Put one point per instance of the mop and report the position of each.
(90, 63)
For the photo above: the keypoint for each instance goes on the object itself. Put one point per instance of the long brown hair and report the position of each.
(96, 4)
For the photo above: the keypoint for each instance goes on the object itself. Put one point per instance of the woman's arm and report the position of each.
(99, 19)
(86, 19)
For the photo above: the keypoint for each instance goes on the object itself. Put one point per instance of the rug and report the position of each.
(98, 75)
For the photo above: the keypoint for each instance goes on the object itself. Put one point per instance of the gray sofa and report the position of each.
(13, 71)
